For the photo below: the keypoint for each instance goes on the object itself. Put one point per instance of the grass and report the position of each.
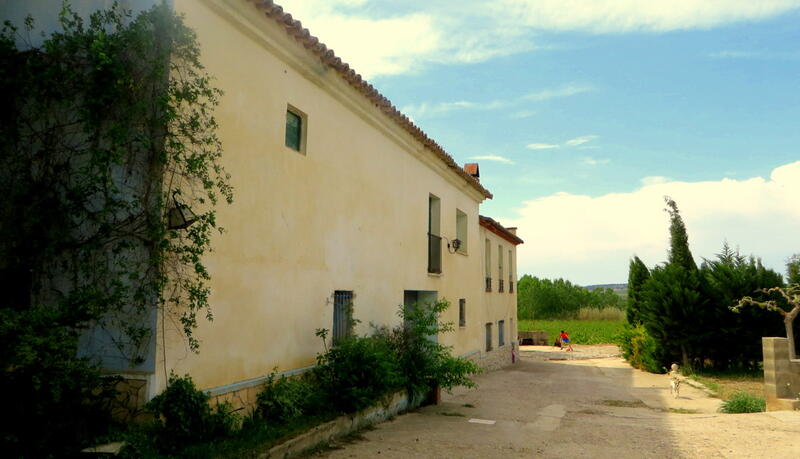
(580, 331)
(742, 391)
(682, 411)
(743, 402)
(726, 383)
(624, 403)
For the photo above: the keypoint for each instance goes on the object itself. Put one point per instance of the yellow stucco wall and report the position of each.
(350, 214)
(496, 305)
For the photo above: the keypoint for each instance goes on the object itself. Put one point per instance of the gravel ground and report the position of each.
(580, 407)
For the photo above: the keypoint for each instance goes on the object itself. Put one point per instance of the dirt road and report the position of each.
(577, 408)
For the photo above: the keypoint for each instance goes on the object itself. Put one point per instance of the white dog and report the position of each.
(675, 382)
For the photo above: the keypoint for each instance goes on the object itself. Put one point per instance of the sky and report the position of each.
(584, 114)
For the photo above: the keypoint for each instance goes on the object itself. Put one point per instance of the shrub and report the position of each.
(185, 416)
(425, 363)
(55, 402)
(640, 349)
(358, 371)
(744, 402)
(287, 398)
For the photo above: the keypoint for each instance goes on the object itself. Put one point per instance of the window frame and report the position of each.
(303, 118)
(347, 322)
(462, 230)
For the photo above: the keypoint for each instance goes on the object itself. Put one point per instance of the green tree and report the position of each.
(671, 312)
(638, 274)
(788, 296)
(679, 253)
(793, 269)
(736, 340)
(674, 308)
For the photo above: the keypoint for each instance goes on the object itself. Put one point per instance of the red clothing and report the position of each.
(564, 335)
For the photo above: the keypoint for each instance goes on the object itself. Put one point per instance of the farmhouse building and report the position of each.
(344, 209)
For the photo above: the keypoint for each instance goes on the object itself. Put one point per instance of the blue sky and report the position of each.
(583, 114)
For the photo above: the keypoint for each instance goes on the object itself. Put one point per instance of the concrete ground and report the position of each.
(580, 407)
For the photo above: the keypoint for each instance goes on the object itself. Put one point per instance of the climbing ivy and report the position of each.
(106, 132)
(108, 128)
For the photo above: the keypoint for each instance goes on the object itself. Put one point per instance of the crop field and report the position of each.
(580, 331)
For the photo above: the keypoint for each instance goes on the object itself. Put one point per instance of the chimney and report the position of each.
(472, 169)
(512, 230)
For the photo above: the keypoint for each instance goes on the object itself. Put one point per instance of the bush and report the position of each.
(358, 371)
(288, 398)
(744, 402)
(425, 363)
(55, 402)
(641, 350)
(185, 416)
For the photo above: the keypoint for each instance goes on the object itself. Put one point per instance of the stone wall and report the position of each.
(495, 359)
(781, 375)
(128, 405)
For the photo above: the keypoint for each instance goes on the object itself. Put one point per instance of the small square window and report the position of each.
(462, 312)
(294, 130)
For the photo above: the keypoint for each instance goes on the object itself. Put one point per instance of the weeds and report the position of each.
(743, 402)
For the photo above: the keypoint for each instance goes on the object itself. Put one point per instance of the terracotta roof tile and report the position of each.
(327, 56)
(500, 230)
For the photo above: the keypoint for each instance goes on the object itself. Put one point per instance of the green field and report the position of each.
(580, 331)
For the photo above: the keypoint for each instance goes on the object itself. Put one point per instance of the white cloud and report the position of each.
(522, 114)
(728, 54)
(591, 239)
(580, 140)
(384, 39)
(540, 146)
(566, 91)
(373, 46)
(497, 158)
(430, 109)
(771, 55)
(619, 16)
(589, 161)
(654, 180)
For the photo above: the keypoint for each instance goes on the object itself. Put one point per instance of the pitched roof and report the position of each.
(500, 230)
(295, 29)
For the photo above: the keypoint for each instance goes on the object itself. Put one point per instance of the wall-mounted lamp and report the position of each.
(456, 243)
(179, 215)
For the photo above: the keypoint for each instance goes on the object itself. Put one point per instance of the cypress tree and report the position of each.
(638, 274)
(679, 253)
(793, 269)
(673, 306)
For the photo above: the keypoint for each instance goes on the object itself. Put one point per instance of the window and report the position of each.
(500, 268)
(461, 231)
(295, 130)
(488, 337)
(510, 273)
(342, 315)
(462, 312)
(501, 333)
(488, 254)
(434, 239)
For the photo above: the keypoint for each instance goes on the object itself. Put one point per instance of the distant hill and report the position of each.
(619, 289)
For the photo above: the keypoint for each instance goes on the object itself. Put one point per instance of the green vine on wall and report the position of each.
(107, 125)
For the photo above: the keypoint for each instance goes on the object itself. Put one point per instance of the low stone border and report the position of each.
(341, 426)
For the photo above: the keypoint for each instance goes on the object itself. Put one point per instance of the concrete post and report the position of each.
(781, 375)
